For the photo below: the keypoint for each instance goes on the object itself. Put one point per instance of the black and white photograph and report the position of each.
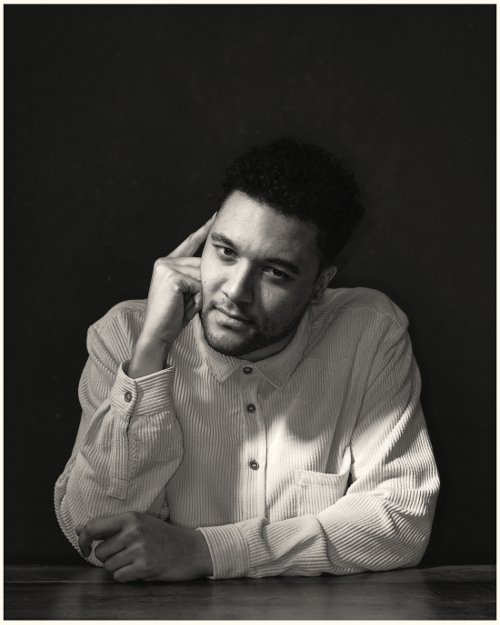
(250, 311)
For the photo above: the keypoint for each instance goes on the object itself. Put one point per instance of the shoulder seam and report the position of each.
(384, 313)
(113, 314)
(365, 298)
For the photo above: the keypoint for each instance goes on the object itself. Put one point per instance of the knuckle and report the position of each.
(119, 577)
(144, 567)
(134, 534)
(195, 239)
(161, 263)
(134, 525)
(169, 273)
(135, 517)
(164, 270)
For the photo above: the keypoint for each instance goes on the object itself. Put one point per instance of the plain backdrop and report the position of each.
(119, 121)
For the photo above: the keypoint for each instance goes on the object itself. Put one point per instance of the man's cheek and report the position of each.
(211, 281)
(268, 295)
(208, 294)
(275, 300)
(206, 265)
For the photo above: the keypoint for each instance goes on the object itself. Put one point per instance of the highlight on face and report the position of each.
(259, 271)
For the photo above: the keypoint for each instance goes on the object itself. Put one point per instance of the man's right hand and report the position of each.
(174, 298)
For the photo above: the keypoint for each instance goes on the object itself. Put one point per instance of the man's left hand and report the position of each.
(137, 546)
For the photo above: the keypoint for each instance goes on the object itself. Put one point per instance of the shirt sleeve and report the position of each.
(129, 442)
(383, 521)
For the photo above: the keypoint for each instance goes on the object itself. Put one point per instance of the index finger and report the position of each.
(194, 240)
(96, 530)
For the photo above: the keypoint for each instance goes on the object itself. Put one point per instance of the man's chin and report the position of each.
(224, 343)
(229, 341)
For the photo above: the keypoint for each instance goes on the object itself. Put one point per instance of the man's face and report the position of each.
(258, 273)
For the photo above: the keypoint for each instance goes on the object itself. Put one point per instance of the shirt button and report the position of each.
(254, 465)
(250, 408)
(128, 396)
(247, 370)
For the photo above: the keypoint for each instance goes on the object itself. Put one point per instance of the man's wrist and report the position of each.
(205, 558)
(148, 357)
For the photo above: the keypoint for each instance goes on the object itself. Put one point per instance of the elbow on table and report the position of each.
(408, 549)
(413, 525)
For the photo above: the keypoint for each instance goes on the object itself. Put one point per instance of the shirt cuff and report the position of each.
(256, 548)
(142, 397)
(229, 551)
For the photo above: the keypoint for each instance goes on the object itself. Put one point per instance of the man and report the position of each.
(246, 420)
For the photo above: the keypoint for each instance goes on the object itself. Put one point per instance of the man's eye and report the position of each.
(276, 273)
(225, 251)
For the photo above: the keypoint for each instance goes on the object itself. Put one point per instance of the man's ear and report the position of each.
(322, 282)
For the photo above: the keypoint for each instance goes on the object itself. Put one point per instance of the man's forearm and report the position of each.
(101, 481)
(148, 357)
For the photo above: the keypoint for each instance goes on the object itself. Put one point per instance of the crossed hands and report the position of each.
(137, 546)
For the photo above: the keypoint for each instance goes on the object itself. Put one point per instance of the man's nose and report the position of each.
(239, 285)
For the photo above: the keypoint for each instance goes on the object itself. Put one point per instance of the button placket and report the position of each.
(254, 474)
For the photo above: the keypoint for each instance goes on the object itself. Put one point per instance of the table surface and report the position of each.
(84, 592)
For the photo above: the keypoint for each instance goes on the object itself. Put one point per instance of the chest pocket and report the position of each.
(318, 491)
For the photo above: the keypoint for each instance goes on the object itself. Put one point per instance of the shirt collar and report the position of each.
(276, 369)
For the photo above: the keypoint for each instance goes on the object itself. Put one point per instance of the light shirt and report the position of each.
(314, 460)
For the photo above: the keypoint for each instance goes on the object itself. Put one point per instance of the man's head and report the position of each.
(286, 209)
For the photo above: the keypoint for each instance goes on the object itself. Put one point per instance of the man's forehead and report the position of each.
(263, 230)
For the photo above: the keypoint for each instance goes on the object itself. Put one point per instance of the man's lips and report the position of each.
(232, 316)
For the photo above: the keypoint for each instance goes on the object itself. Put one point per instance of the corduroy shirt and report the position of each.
(314, 460)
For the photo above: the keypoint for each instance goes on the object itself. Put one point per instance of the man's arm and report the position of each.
(129, 443)
(384, 519)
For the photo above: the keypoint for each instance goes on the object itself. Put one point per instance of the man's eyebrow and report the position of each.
(285, 264)
(281, 262)
(220, 238)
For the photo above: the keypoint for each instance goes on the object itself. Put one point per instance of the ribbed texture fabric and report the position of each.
(317, 460)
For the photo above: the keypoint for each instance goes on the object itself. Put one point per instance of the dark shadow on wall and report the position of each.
(118, 123)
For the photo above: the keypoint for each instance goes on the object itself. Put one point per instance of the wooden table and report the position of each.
(84, 592)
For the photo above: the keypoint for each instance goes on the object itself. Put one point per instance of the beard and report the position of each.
(257, 336)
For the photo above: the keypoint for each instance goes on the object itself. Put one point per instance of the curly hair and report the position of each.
(300, 180)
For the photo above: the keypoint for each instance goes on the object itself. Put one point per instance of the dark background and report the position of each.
(118, 123)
